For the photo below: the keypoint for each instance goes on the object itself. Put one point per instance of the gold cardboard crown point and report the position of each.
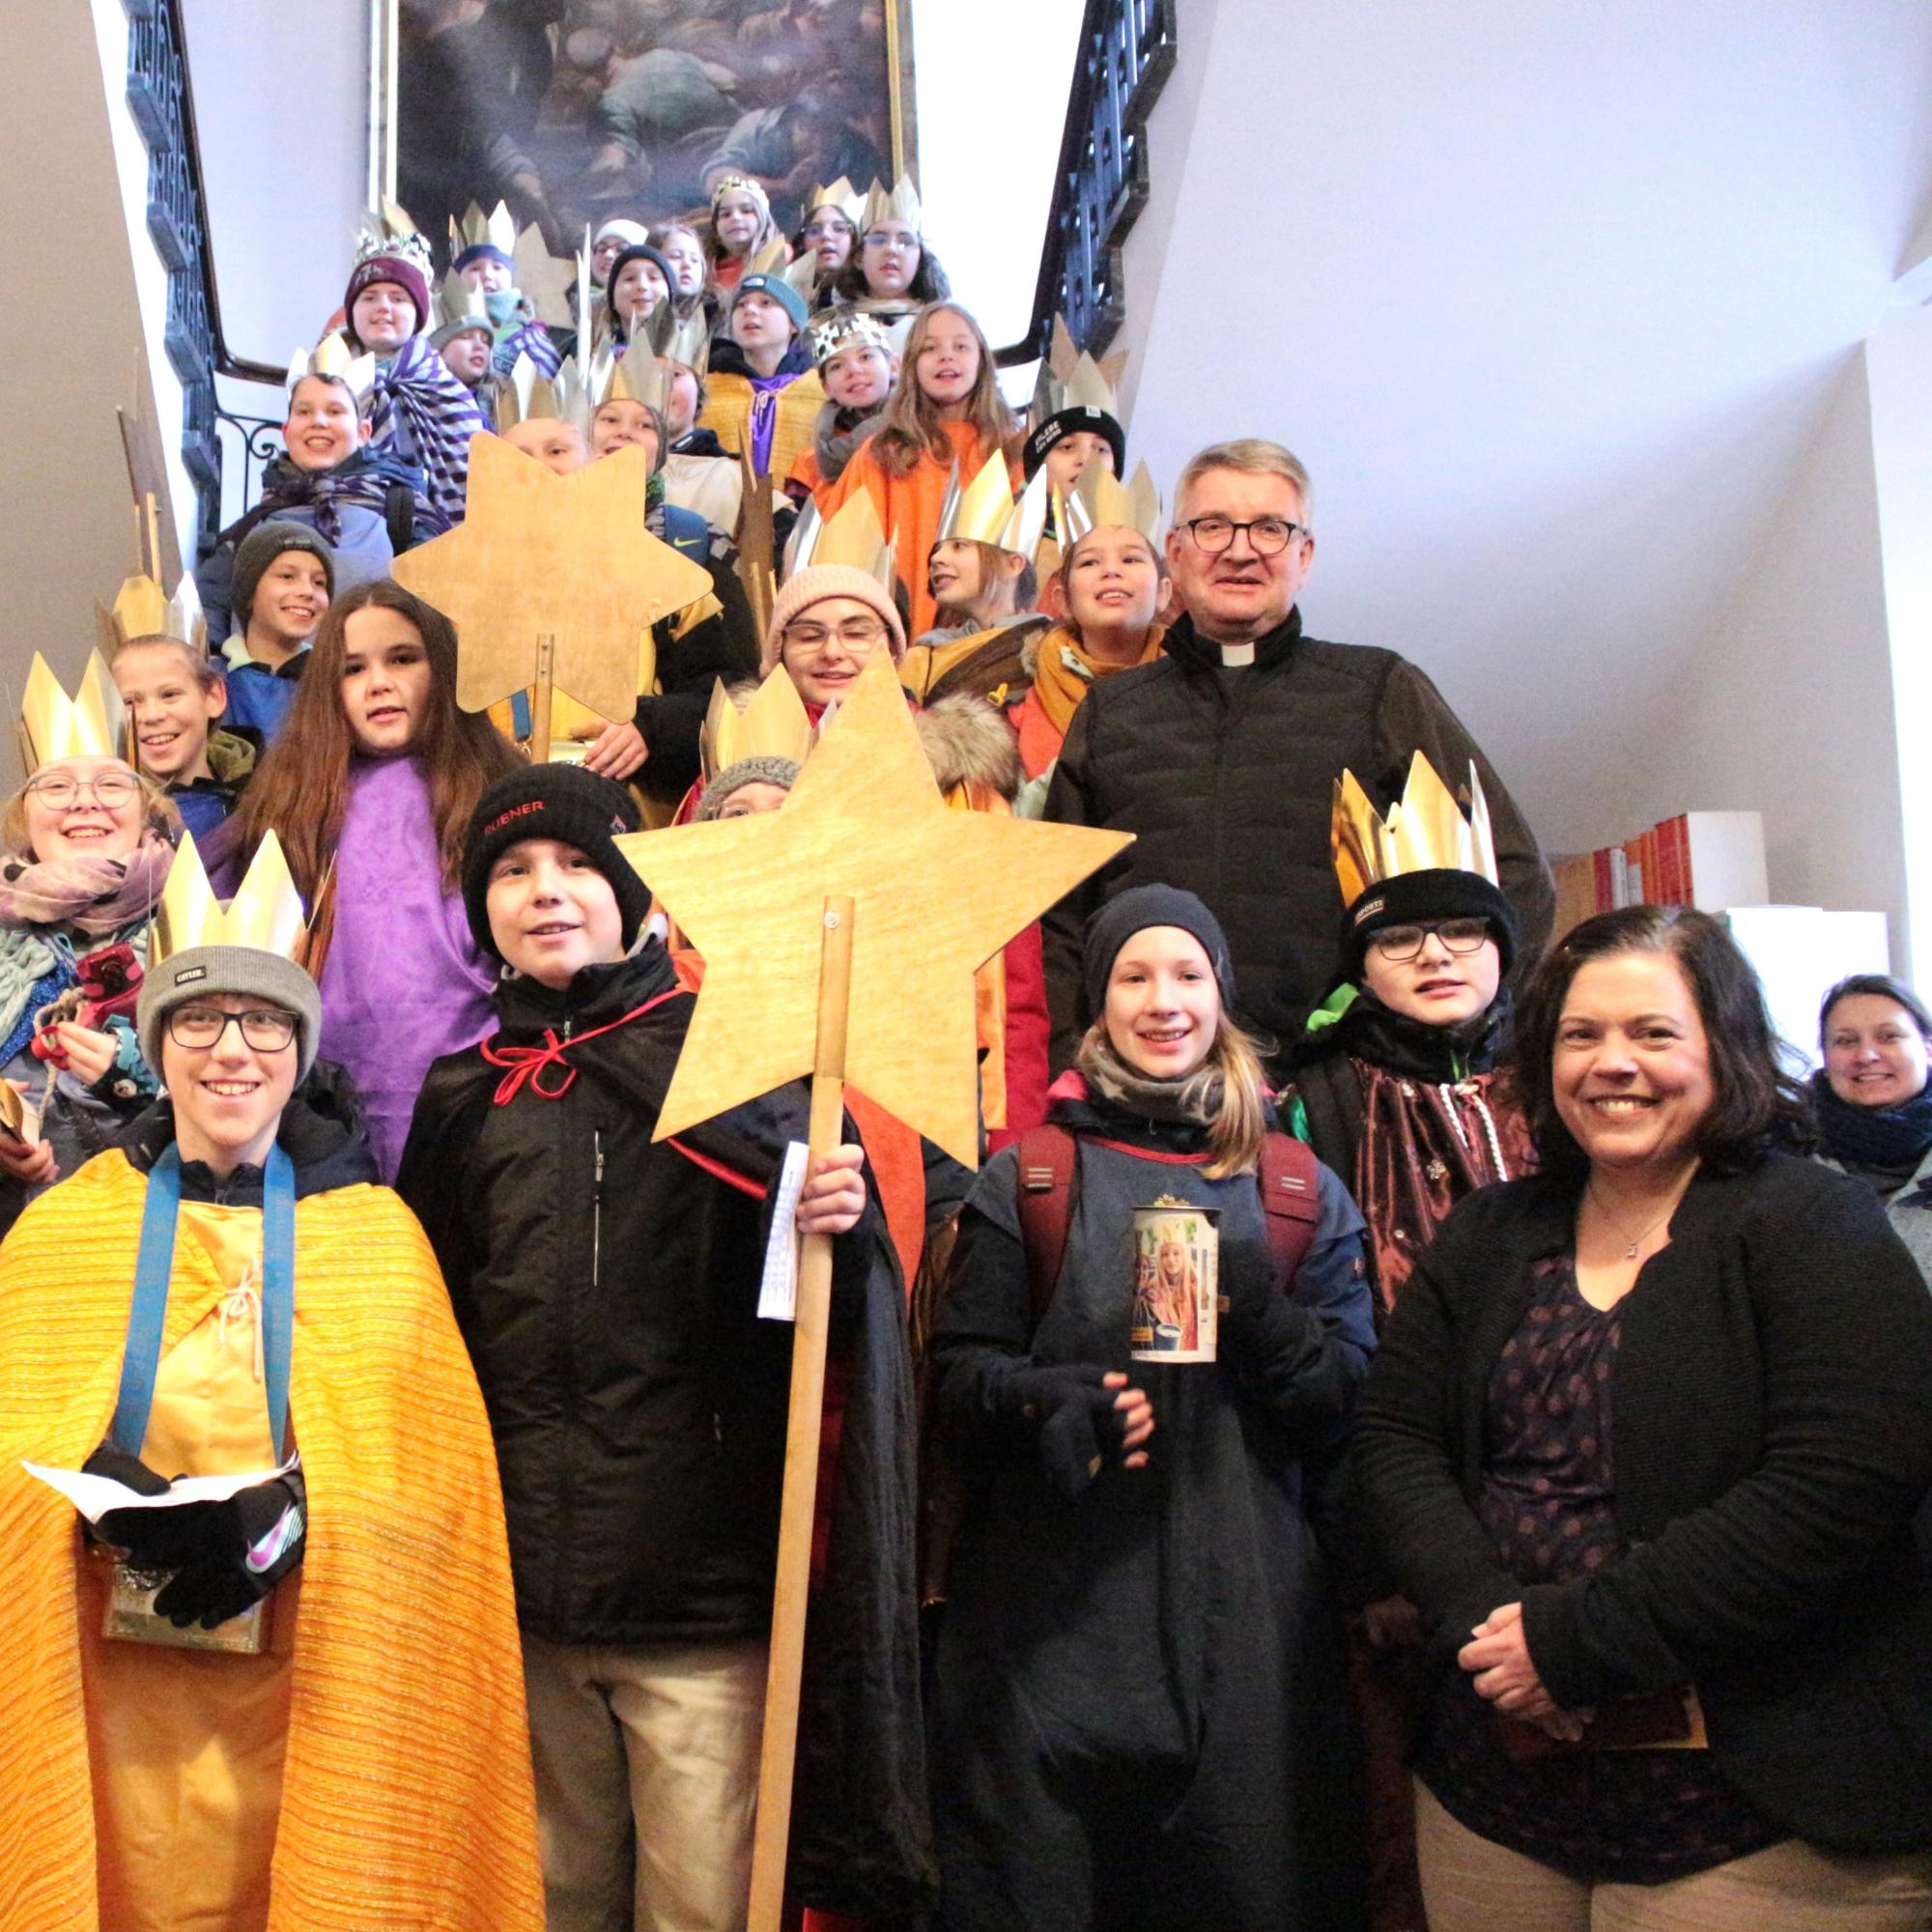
(1425, 831)
(770, 260)
(726, 183)
(773, 723)
(1100, 499)
(841, 195)
(851, 535)
(142, 608)
(265, 914)
(528, 395)
(92, 723)
(635, 377)
(984, 510)
(332, 357)
(901, 205)
(456, 301)
(390, 230)
(476, 230)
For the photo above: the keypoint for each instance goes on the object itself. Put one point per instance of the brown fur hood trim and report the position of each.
(968, 741)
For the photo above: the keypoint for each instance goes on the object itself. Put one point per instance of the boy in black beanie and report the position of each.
(606, 1284)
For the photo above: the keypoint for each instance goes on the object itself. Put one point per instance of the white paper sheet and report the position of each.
(95, 1495)
(777, 1292)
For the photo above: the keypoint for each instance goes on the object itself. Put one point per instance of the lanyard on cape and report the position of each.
(152, 1272)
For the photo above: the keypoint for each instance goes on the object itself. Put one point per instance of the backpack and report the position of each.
(1287, 1175)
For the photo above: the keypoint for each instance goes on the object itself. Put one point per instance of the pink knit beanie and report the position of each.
(805, 587)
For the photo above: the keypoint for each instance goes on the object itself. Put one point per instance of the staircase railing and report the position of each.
(162, 99)
(1127, 53)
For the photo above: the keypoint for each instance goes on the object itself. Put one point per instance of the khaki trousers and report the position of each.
(647, 1781)
(1471, 1883)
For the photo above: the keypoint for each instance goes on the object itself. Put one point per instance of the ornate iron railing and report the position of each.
(1127, 53)
(161, 100)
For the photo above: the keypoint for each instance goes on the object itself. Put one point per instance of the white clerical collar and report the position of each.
(1233, 656)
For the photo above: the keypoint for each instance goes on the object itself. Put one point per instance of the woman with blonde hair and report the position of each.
(1138, 1703)
(945, 411)
(88, 843)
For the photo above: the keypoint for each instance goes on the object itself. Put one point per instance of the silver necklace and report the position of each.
(1630, 1253)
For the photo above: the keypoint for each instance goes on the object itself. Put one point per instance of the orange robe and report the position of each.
(405, 1797)
(909, 509)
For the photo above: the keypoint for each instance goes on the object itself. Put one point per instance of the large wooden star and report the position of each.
(936, 893)
(539, 554)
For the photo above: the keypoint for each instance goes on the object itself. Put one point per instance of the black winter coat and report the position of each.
(1227, 780)
(607, 1285)
(1772, 1398)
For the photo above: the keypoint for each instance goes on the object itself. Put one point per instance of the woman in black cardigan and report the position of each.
(1644, 1441)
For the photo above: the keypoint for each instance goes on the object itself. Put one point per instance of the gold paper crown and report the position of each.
(901, 205)
(547, 280)
(457, 303)
(332, 357)
(636, 377)
(773, 725)
(770, 260)
(1099, 499)
(683, 339)
(92, 723)
(803, 275)
(1425, 831)
(476, 230)
(842, 326)
(1071, 379)
(841, 195)
(851, 535)
(390, 230)
(266, 914)
(526, 394)
(142, 608)
(985, 512)
(724, 183)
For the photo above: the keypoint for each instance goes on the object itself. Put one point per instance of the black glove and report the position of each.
(154, 1538)
(256, 1538)
(1079, 1426)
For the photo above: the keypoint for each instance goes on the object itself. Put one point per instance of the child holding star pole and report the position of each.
(607, 1282)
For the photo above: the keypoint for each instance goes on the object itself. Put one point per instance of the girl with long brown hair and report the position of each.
(946, 408)
(369, 788)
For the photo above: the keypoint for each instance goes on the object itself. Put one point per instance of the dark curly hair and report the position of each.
(1756, 1103)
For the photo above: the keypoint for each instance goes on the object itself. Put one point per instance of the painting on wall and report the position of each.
(574, 111)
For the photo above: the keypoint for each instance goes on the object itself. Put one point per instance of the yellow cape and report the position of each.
(407, 1796)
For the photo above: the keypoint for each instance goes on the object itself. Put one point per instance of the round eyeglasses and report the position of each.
(60, 790)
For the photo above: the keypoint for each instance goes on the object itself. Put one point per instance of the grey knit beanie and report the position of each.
(199, 971)
(768, 770)
(261, 547)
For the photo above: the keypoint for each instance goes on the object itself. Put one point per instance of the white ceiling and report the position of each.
(1551, 298)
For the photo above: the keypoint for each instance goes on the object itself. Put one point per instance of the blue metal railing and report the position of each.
(1127, 53)
(162, 104)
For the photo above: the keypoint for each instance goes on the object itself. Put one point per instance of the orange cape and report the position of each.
(407, 1797)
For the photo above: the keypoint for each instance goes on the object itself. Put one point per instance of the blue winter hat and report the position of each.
(1134, 911)
(781, 291)
(481, 252)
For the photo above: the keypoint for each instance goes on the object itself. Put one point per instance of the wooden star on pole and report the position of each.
(564, 558)
(935, 894)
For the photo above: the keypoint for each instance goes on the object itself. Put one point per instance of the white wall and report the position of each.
(1556, 302)
(990, 83)
(69, 334)
(1898, 362)
(1787, 703)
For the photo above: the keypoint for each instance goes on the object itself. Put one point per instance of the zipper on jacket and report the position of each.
(596, 1202)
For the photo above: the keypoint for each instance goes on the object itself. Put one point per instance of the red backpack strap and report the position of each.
(1047, 1158)
(1290, 1179)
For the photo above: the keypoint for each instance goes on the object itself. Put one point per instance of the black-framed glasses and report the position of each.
(267, 1029)
(58, 790)
(1267, 536)
(860, 634)
(1400, 944)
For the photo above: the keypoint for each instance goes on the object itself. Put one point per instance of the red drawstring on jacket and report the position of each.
(527, 1063)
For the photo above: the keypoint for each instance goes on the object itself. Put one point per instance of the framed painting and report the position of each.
(575, 111)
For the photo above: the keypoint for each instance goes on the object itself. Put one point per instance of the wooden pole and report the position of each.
(800, 1471)
(540, 702)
